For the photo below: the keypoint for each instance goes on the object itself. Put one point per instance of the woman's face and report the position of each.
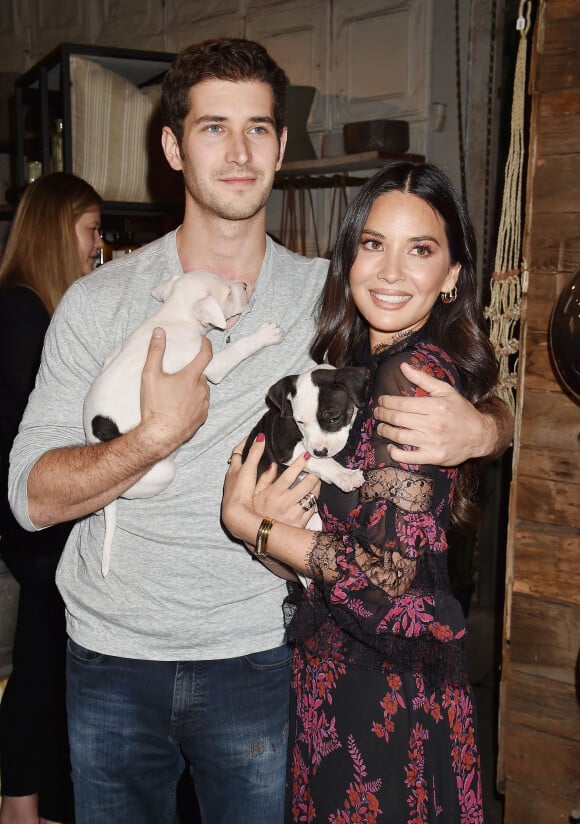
(89, 240)
(402, 265)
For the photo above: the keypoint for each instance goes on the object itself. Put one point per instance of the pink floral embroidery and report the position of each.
(390, 705)
(417, 799)
(465, 758)
(408, 616)
(361, 805)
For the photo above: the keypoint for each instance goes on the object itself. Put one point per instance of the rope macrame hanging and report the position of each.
(504, 309)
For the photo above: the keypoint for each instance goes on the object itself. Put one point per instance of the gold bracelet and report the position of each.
(262, 537)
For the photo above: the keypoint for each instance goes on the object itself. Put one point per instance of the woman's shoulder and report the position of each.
(420, 352)
(20, 301)
(433, 357)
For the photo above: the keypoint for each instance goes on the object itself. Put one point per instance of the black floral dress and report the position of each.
(383, 715)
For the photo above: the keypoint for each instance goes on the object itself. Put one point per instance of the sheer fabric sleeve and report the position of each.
(384, 564)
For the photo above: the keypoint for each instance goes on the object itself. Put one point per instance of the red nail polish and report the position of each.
(307, 456)
(260, 437)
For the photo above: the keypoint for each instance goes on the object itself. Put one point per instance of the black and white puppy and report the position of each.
(313, 412)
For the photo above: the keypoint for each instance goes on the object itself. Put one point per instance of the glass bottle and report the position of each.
(105, 253)
(56, 146)
(33, 170)
(130, 244)
(117, 246)
(124, 242)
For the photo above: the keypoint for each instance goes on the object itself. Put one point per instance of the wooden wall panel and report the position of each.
(544, 638)
(550, 464)
(556, 186)
(539, 372)
(542, 293)
(547, 502)
(550, 419)
(548, 707)
(561, 10)
(559, 123)
(546, 562)
(540, 761)
(559, 67)
(539, 731)
(555, 244)
(530, 806)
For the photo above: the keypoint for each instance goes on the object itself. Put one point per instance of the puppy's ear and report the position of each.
(209, 312)
(164, 289)
(354, 380)
(278, 395)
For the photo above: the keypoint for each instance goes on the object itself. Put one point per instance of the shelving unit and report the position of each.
(297, 180)
(330, 172)
(43, 94)
(363, 161)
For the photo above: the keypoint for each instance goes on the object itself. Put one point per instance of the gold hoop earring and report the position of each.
(449, 297)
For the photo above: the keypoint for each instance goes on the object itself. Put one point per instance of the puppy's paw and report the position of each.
(349, 479)
(271, 333)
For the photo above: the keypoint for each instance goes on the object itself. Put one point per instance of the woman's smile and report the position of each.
(401, 267)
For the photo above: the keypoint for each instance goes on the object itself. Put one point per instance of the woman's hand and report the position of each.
(247, 499)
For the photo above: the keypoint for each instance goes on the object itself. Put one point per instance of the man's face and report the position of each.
(230, 151)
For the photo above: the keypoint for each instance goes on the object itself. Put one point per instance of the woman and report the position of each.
(383, 716)
(54, 238)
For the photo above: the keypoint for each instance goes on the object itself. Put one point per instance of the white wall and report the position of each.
(368, 59)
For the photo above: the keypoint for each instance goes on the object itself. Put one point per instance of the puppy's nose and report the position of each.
(245, 285)
(321, 453)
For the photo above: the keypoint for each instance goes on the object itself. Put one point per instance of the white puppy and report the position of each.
(193, 303)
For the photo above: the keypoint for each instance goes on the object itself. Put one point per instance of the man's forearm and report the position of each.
(499, 427)
(68, 483)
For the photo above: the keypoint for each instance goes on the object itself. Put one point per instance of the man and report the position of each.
(180, 650)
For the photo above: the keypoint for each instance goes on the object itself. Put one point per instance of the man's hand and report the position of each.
(68, 483)
(173, 406)
(444, 427)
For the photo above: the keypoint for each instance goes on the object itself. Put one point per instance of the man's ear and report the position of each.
(171, 149)
(283, 139)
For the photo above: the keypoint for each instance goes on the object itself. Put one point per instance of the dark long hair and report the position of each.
(233, 59)
(458, 328)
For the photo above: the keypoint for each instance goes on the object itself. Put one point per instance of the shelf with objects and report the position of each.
(298, 179)
(323, 166)
(95, 111)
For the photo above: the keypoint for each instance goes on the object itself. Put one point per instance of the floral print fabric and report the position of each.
(383, 714)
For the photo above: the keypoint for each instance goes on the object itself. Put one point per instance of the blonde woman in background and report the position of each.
(54, 239)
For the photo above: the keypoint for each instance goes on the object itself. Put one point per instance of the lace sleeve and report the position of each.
(382, 562)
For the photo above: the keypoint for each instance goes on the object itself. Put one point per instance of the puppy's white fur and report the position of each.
(304, 399)
(316, 440)
(193, 303)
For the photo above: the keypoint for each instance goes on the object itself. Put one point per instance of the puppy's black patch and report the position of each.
(350, 381)
(278, 426)
(340, 391)
(104, 428)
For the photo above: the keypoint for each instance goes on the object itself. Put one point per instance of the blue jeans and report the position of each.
(131, 723)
